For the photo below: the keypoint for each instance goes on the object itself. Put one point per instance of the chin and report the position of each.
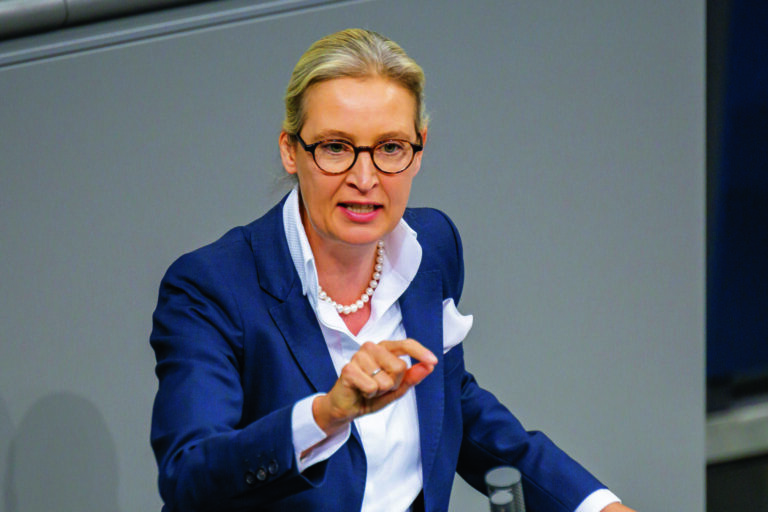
(363, 237)
(362, 240)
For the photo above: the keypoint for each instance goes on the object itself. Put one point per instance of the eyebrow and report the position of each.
(339, 134)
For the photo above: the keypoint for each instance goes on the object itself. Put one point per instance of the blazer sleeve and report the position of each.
(207, 458)
(552, 481)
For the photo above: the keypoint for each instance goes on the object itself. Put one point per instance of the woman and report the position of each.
(312, 359)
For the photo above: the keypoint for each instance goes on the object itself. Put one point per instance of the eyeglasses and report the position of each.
(333, 156)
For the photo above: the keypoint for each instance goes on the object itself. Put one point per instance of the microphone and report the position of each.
(505, 489)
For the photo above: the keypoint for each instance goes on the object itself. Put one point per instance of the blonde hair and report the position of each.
(356, 53)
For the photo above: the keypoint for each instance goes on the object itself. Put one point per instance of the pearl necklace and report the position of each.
(366, 296)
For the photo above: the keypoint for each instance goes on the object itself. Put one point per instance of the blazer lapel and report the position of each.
(422, 310)
(297, 322)
(292, 313)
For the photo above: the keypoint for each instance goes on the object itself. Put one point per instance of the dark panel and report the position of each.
(738, 485)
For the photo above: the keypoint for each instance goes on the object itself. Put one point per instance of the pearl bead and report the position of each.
(366, 296)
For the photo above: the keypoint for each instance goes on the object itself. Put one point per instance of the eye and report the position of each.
(335, 147)
(391, 147)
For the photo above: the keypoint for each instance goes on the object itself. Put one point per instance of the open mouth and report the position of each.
(360, 208)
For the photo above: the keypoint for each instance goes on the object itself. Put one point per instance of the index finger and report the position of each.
(410, 347)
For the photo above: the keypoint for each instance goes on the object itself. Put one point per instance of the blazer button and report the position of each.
(273, 467)
(261, 474)
(250, 477)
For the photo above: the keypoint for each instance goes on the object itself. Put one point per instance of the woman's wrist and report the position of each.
(326, 418)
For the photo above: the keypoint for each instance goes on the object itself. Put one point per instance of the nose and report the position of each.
(363, 175)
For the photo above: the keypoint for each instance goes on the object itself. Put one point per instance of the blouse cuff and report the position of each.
(597, 501)
(309, 437)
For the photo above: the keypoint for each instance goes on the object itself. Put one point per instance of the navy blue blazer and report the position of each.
(237, 344)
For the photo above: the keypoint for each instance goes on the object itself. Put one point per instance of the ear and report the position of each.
(287, 152)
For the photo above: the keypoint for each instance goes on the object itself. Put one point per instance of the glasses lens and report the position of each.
(392, 155)
(334, 156)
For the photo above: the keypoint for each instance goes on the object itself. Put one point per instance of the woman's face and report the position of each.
(362, 205)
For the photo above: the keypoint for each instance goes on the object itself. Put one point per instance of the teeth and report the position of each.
(360, 208)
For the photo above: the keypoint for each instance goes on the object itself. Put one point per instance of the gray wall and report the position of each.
(567, 142)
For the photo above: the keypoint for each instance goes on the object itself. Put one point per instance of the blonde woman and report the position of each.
(312, 359)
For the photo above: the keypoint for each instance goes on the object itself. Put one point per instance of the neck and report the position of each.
(345, 280)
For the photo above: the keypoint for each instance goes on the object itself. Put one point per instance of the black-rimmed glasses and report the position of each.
(334, 156)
